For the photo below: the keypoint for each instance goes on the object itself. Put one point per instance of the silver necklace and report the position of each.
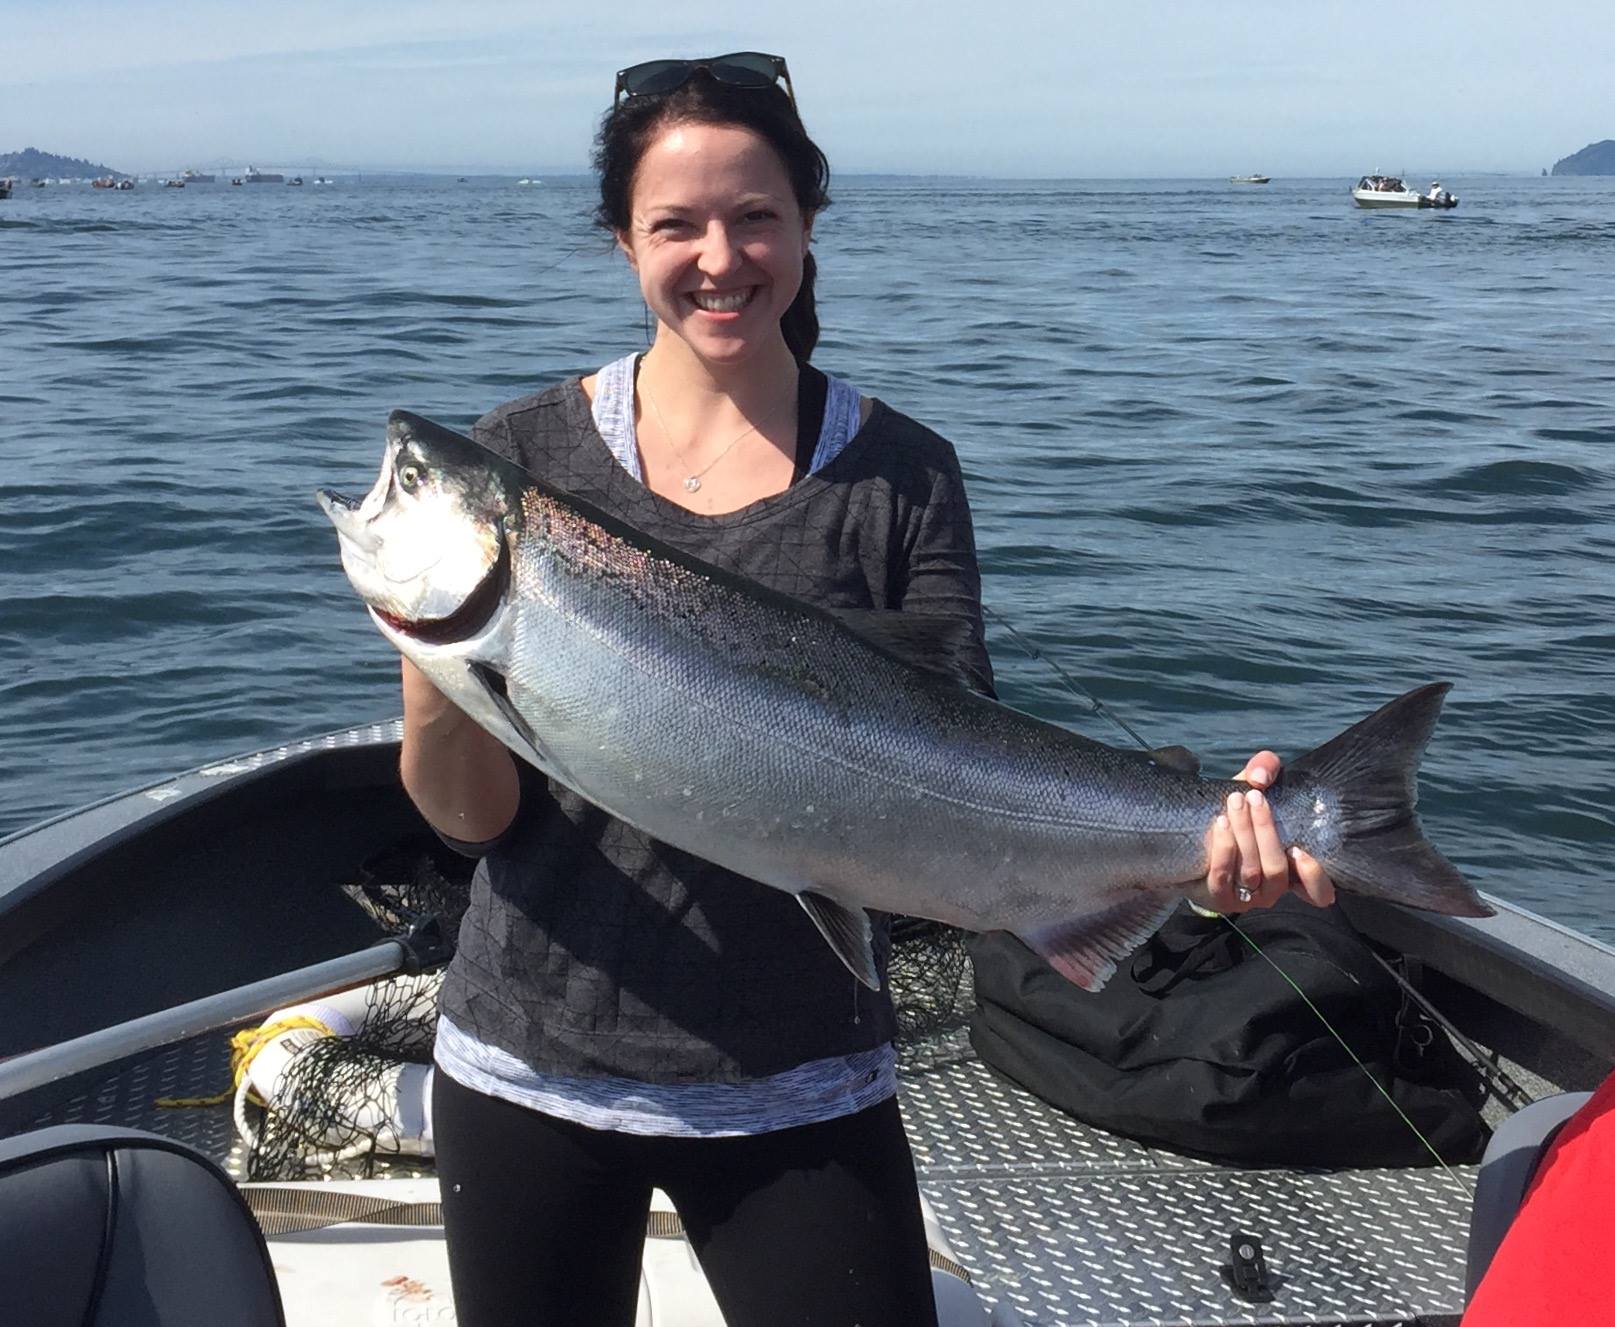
(692, 481)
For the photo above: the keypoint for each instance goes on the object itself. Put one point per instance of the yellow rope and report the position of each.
(244, 1048)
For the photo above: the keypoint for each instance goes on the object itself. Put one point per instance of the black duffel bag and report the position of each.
(1198, 1045)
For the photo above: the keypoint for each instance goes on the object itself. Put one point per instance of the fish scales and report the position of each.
(829, 764)
(776, 739)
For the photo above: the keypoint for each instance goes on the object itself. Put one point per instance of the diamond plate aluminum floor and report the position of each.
(1074, 1225)
(1067, 1223)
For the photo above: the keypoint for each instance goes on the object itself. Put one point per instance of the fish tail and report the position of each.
(1371, 770)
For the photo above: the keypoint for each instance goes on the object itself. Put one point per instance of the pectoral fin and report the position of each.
(480, 692)
(849, 933)
(1087, 950)
(504, 720)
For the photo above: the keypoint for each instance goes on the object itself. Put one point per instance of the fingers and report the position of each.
(1264, 871)
(1311, 879)
(1222, 862)
(1247, 865)
(1261, 770)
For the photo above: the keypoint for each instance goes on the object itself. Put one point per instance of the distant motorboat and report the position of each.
(1249, 179)
(295, 180)
(323, 179)
(5, 188)
(525, 180)
(173, 184)
(1392, 191)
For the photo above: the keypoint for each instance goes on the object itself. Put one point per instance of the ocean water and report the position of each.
(1246, 462)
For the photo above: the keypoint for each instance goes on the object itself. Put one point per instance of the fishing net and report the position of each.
(336, 1108)
(930, 980)
(415, 879)
(336, 1105)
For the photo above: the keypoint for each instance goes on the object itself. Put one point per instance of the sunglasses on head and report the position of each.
(739, 69)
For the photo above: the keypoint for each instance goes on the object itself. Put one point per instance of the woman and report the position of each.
(620, 1015)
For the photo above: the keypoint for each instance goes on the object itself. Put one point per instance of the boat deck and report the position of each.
(1066, 1222)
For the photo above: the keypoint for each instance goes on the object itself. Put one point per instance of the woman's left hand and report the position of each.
(1247, 865)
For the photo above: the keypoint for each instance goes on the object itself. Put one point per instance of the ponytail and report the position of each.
(801, 321)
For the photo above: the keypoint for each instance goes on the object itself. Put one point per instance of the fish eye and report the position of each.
(410, 475)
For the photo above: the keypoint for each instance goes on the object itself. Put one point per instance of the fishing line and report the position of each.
(568, 254)
(1095, 707)
(1367, 1073)
(1076, 688)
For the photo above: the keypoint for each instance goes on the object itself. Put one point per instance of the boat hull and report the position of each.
(1377, 198)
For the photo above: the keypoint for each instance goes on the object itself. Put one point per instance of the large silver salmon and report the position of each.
(809, 752)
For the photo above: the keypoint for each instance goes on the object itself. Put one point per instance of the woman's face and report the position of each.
(717, 238)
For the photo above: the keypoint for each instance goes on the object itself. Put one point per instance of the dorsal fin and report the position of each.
(1179, 758)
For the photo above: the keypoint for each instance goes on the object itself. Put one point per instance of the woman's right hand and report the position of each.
(458, 775)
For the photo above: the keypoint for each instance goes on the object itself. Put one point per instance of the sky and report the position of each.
(1084, 88)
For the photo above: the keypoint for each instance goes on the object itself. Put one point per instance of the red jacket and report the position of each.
(1556, 1265)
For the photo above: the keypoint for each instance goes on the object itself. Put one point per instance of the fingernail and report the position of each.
(1294, 852)
(1222, 822)
(1253, 798)
(1259, 777)
(1233, 801)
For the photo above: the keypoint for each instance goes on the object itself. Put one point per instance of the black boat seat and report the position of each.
(1511, 1159)
(104, 1227)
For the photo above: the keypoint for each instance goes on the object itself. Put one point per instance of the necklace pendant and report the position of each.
(692, 484)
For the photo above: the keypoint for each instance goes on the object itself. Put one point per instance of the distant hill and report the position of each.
(32, 164)
(1594, 159)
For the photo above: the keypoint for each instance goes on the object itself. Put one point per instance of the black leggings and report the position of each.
(818, 1226)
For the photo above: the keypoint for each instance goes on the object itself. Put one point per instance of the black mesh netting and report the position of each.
(336, 1105)
(413, 880)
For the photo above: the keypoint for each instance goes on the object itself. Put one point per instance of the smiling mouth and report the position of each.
(732, 301)
(466, 620)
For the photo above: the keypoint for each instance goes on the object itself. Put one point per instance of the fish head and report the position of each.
(427, 547)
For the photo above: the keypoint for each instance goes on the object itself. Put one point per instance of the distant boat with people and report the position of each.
(1249, 179)
(1381, 191)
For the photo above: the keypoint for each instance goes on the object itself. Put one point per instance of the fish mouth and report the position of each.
(332, 502)
(466, 620)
